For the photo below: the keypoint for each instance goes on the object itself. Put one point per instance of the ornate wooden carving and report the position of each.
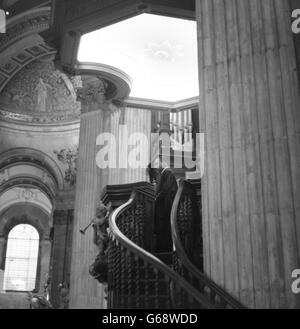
(137, 279)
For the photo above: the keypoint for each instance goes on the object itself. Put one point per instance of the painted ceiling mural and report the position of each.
(40, 93)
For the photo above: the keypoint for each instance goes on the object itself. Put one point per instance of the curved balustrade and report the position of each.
(185, 220)
(136, 278)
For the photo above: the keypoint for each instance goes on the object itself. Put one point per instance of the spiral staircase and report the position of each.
(140, 278)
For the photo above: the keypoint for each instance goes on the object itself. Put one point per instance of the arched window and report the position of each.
(21, 258)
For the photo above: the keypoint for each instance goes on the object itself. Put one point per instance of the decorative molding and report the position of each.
(17, 195)
(34, 21)
(27, 182)
(154, 105)
(90, 15)
(40, 161)
(27, 194)
(118, 82)
(69, 158)
(4, 176)
(29, 169)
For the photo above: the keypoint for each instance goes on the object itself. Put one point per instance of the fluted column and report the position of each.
(132, 121)
(85, 291)
(249, 112)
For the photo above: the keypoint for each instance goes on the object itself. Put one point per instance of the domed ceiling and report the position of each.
(32, 90)
(40, 93)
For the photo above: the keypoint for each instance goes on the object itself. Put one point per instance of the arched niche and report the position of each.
(24, 213)
(31, 163)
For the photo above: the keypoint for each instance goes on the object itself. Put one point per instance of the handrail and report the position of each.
(216, 293)
(138, 252)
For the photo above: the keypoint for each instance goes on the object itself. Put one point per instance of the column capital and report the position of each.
(92, 94)
(103, 87)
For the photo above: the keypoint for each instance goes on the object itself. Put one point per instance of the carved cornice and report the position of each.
(162, 106)
(89, 15)
(27, 182)
(34, 21)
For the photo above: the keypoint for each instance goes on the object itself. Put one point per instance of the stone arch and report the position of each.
(24, 26)
(36, 159)
(25, 214)
(27, 196)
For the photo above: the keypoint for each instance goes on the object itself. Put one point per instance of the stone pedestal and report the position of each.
(249, 112)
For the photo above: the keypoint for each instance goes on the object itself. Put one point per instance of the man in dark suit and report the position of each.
(166, 188)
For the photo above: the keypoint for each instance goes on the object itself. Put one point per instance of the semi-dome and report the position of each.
(40, 93)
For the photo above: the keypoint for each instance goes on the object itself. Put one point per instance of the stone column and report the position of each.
(85, 292)
(249, 112)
